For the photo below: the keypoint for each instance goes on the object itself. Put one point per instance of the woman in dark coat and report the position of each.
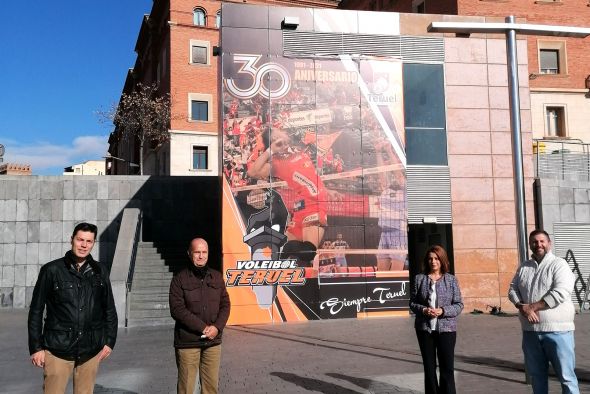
(436, 302)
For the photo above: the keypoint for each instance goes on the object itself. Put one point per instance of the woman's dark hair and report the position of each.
(440, 252)
(87, 227)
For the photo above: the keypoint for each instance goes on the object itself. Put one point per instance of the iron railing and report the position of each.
(562, 159)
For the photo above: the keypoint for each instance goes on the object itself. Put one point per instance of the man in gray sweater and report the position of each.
(541, 290)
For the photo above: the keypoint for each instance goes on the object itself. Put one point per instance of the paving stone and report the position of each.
(34, 190)
(6, 297)
(22, 210)
(90, 211)
(33, 230)
(10, 189)
(91, 190)
(67, 228)
(10, 210)
(45, 210)
(8, 254)
(57, 210)
(22, 190)
(20, 254)
(7, 279)
(102, 190)
(114, 190)
(28, 295)
(32, 253)
(34, 210)
(44, 253)
(57, 250)
(44, 231)
(102, 210)
(19, 295)
(79, 210)
(21, 232)
(20, 275)
(56, 231)
(68, 190)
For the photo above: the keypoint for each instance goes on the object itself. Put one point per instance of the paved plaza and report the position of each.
(333, 356)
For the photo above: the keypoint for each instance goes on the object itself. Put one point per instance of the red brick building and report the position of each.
(559, 71)
(175, 50)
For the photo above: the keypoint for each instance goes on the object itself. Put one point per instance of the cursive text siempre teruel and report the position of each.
(383, 294)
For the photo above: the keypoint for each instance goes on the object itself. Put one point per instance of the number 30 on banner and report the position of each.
(257, 74)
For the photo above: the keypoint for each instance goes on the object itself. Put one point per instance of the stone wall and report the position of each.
(38, 214)
(563, 201)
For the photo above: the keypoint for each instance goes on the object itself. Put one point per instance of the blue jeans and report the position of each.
(556, 347)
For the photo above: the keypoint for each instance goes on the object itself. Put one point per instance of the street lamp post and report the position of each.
(510, 29)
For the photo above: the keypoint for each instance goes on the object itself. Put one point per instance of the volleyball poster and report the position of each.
(314, 210)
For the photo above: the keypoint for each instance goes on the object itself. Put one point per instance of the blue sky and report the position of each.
(60, 62)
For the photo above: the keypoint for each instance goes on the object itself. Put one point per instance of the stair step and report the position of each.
(155, 321)
(141, 288)
(149, 305)
(152, 275)
(149, 313)
(148, 297)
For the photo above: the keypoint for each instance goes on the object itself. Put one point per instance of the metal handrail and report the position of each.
(129, 281)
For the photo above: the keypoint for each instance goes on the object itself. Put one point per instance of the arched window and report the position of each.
(199, 17)
(218, 19)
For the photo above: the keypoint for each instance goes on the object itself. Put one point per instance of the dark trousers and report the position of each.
(442, 345)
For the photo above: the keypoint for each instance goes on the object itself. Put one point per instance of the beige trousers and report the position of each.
(57, 372)
(202, 362)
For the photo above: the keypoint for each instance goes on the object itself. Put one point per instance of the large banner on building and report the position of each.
(314, 208)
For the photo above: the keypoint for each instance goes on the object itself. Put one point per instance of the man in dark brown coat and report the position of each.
(200, 305)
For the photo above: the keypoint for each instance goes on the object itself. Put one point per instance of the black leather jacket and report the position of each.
(80, 310)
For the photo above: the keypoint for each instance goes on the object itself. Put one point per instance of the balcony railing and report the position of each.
(562, 159)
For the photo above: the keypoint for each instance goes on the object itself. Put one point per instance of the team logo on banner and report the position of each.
(265, 272)
(257, 86)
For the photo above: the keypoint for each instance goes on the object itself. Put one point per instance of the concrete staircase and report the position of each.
(154, 267)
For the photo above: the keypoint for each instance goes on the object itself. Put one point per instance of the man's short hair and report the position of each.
(538, 231)
(87, 227)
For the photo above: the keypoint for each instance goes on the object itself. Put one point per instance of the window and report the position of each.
(218, 19)
(200, 107)
(200, 154)
(199, 110)
(555, 121)
(199, 17)
(552, 57)
(198, 54)
(549, 61)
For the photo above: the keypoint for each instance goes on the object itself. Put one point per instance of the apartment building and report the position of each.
(175, 49)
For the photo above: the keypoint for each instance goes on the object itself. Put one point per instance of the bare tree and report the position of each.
(143, 114)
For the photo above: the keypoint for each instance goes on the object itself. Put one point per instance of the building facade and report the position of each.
(559, 75)
(175, 49)
(338, 90)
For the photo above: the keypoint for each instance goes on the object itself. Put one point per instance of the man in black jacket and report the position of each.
(80, 327)
(200, 305)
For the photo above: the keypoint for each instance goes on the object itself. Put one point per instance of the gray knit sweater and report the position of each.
(551, 280)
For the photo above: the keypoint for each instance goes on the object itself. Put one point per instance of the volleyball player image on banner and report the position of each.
(314, 187)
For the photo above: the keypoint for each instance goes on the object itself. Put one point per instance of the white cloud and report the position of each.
(50, 159)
